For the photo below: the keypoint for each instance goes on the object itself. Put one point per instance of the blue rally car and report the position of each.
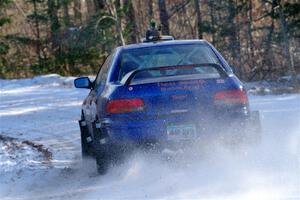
(162, 92)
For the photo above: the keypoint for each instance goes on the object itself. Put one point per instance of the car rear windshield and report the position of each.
(173, 55)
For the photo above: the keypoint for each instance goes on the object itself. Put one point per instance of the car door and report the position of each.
(99, 85)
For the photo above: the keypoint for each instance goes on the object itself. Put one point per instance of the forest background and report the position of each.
(260, 38)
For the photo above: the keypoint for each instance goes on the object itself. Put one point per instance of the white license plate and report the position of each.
(181, 132)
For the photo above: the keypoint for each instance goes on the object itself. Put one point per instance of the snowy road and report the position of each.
(40, 154)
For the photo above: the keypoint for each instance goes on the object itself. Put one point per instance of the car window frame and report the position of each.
(103, 71)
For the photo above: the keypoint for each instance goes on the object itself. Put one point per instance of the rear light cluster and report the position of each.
(119, 106)
(231, 97)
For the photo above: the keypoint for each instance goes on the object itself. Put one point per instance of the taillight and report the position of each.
(119, 106)
(231, 97)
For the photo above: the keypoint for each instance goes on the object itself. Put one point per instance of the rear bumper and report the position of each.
(155, 131)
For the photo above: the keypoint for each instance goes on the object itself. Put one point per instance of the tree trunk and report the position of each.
(198, 18)
(269, 59)
(237, 37)
(54, 23)
(90, 5)
(213, 21)
(234, 35)
(115, 7)
(77, 11)
(66, 13)
(163, 15)
(99, 4)
(286, 44)
(249, 33)
(38, 35)
(231, 28)
(150, 11)
(130, 21)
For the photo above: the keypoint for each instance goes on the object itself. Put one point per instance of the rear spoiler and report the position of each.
(126, 80)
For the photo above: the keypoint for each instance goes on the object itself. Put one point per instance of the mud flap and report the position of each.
(101, 149)
(85, 138)
(99, 137)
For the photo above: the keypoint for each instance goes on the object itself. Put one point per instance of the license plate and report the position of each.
(181, 132)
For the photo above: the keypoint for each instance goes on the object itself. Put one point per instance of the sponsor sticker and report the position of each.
(181, 85)
(220, 81)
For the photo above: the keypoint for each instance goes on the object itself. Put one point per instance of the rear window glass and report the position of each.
(173, 55)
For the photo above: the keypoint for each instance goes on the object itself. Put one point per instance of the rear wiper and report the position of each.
(126, 80)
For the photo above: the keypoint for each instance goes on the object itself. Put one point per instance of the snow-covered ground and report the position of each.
(40, 153)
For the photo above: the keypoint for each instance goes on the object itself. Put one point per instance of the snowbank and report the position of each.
(283, 85)
(50, 80)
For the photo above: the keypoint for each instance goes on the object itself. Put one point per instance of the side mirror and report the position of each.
(83, 82)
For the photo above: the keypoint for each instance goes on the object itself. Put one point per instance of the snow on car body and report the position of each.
(160, 92)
